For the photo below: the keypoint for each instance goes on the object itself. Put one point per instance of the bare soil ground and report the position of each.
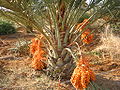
(16, 73)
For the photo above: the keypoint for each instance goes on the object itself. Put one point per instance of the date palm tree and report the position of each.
(56, 20)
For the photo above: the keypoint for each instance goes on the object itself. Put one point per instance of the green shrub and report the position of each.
(6, 28)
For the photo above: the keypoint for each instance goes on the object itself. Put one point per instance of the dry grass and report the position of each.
(110, 46)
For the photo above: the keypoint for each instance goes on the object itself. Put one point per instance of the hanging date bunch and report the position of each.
(38, 59)
(86, 36)
(82, 74)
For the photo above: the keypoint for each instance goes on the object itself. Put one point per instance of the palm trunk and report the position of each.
(64, 64)
(63, 67)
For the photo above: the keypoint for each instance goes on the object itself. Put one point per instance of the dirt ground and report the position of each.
(16, 73)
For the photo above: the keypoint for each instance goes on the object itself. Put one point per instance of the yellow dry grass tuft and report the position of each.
(110, 44)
